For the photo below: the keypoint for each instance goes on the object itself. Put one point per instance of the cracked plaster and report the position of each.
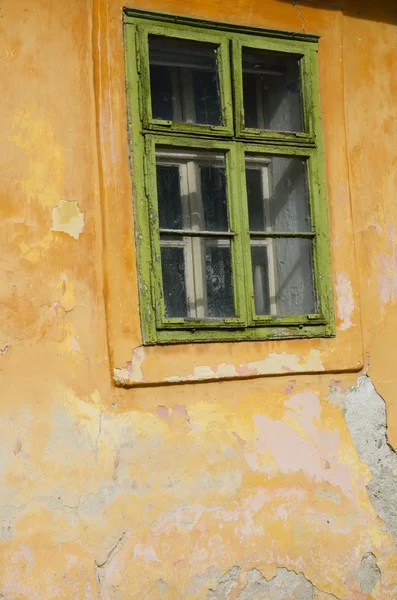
(285, 585)
(365, 413)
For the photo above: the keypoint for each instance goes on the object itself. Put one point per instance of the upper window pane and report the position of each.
(184, 81)
(272, 91)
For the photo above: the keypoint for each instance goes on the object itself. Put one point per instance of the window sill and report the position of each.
(155, 365)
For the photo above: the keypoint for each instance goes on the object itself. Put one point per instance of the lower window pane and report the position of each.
(197, 277)
(218, 268)
(174, 286)
(282, 270)
(260, 274)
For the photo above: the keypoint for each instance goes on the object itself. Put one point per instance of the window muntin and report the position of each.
(277, 242)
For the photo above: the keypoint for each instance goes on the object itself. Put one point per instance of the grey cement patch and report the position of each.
(365, 413)
(256, 587)
(285, 585)
(368, 573)
(227, 582)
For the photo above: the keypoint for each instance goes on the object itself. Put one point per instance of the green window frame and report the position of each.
(235, 141)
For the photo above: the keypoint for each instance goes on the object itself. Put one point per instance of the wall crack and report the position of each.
(300, 16)
(100, 566)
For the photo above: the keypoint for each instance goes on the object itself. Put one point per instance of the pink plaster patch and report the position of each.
(387, 278)
(297, 443)
(337, 385)
(345, 302)
(240, 440)
(178, 415)
(290, 386)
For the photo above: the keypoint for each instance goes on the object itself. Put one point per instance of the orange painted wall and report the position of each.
(158, 491)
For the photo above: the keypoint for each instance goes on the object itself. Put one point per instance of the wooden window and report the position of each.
(227, 171)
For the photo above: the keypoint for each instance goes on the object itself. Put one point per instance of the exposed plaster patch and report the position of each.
(345, 302)
(368, 573)
(202, 580)
(178, 415)
(145, 553)
(337, 392)
(290, 386)
(226, 583)
(285, 585)
(68, 218)
(281, 361)
(181, 518)
(132, 372)
(298, 443)
(387, 277)
(365, 413)
(277, 362)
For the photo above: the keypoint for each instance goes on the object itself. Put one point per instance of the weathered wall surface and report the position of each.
(265, 488)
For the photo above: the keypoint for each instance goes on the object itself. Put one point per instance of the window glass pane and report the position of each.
(283, 276)
(169, 196)
(277, 193)
(197, 277)
(272, 90)
(174, 285)
(218, 268)
(184, 81)
(213, 191)
(191, 189)
(260, 275)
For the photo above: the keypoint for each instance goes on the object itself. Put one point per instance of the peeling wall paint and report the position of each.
(268, 472)
(345, 302)
(279, 362)
(68, 218)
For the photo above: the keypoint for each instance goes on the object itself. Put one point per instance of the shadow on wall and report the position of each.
(371, 10)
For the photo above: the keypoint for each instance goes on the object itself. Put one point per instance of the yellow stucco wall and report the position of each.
(179, 490)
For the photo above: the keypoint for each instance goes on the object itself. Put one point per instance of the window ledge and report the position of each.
(155, 365)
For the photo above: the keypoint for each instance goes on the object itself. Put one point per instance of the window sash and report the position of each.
(305, 138)
(318, 233)
(239, 234)
(224, 80)
(233, 236)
